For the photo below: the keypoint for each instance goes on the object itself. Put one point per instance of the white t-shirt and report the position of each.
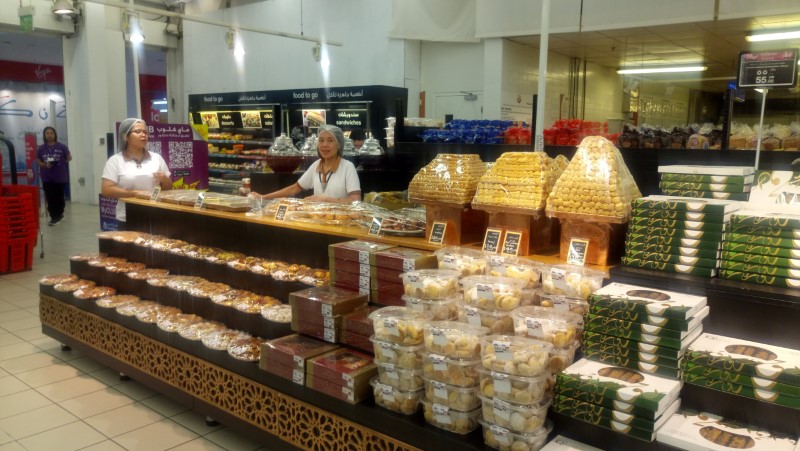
(127, 176)
(340, 183)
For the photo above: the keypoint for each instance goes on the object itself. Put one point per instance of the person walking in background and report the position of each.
(52, 158)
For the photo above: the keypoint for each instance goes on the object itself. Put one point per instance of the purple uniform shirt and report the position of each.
(57, 154)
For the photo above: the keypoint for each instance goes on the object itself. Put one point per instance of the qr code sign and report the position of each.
(154, 147)
(180, 155)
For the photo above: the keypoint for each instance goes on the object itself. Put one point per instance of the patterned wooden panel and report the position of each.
(292, 420)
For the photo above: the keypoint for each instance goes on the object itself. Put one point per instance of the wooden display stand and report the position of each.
(539, 233)
(606, 237)
(464, 224)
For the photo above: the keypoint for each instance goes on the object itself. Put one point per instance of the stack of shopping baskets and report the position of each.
(19, 226)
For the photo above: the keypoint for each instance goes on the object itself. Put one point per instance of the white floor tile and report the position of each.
(70, 388)
(108, 445)
(108, 377)
(198, 444)
(123, 419)
(10, 384)
(15, 315)
(20, 324)
(5, 438)
(96, 402)
(135, 390)
(7, 338)
(196, 422)
(163, 435)
(72, 436)
(165, 406)
(47, 344)
(12, 446)
(20, 402)
(36, 421)
(29, 362)
(87, 365)
(49, 374)
(17, 350)
(30, 334)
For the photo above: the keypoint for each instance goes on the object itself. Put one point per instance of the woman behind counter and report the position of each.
(52, 158)
(133, 169)
(333, 178)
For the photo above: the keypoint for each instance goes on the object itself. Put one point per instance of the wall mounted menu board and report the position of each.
(254, 119)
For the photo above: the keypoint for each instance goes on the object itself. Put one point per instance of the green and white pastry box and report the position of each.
(759, 279)
(675, 203)
(648, 301)
(707, 170)
(757, 259)
(669, 267)
(699, 178)
(770, 251)
(677, 225)
(600, 400)
(680, 215)
(775, 232)
(633, 387)
(561, 443)
(706, 194)
(589, 346)
(593, 322)
(614, 420)
(700, 431)
(674, 354)
(624, 362)
(756, 240)
(674, 259)
(651, 320)
(646, 238)
(704, 186)
(746, 357)
(742, 379)
(787, 273)
(742, 390)
(633, 246)
(767, 219)
(611, 329)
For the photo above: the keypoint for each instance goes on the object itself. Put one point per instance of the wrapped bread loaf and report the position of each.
(517, 179)
(697, 141)
(448, 178)
(596, 183)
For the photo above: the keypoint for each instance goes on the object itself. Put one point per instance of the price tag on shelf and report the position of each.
(375, 227)
(299, 377)
(438, 230)
(578, 247)
(770, 69)
(491, 240)
(155, 193)
(201, 197)
(511, 243)
(280, 215)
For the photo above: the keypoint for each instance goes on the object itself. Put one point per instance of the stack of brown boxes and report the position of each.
(318, 311)
(343, 374)
(287, 356)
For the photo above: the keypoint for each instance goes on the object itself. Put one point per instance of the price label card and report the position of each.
(364, 270)
(439, 390)
(327, 310)
(391, 326)
(770, 69)
(409, 264)
(328, 322)
(438, 362)
(439, 339)
(534, 328)
(438, 230)
(155, 193)
(484, 291)
(201, 198)
(388, 352)
(491, 240)
(501, 382)
(502, 350)
(363, 282)
(363, 257)
(442, 414)
(473, 317)
(502, 409)
(280, 215)
(299, 377)
(375, 227)
(299, 360)
(511, 243)
(415, 304)
(387, 390)
(577, 251)
(329, 335)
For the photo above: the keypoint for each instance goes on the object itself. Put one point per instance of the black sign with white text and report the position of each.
(774, 69)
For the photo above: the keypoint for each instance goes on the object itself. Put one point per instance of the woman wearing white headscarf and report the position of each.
(133, 169)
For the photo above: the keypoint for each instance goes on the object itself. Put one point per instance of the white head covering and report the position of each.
(124, 129)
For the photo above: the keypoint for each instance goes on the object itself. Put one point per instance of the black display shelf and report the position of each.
(602, 438)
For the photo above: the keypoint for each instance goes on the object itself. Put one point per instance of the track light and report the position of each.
(234, 42)
(131, 30)
(63, 8)
(776, 36)
(662, 70)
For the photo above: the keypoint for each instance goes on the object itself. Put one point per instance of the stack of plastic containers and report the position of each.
(432, 290)
(562, 329)
(489, 300)
(451, 375)
(468, 262)
(513, 392)
(386, 267)
(397, 343)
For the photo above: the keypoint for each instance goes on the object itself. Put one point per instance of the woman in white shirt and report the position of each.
(133, 169)
(333, 178)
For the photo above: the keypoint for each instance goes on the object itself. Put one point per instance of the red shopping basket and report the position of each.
(16, 255)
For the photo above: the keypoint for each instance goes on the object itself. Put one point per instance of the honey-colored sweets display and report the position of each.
(449, 178)
(596, 183)
(517, 179)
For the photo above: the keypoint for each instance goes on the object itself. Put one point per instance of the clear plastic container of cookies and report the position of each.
(430, 283)
(515, 355)
(562, 329)
(561, 359)
(401, 356)
(452, 420)
(460, 372)
(400, 401)
(524, 269)
(502, 439)
(454, 339)
(400, 378)
(573, 281)
(399, 324)
(498, 321)
(466, 261)
(452, 396)
(443, 309)
(493, 292)
(519, 418)
(562, 303)
(517, 389)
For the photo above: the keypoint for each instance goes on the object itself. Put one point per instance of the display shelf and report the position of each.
(228, 171)
(245, 142)
(237, 156)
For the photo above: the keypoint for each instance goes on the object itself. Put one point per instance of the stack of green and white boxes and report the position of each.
(763, 248)
(707, 182)
(677, 234)
(641, 328)
(701, 431)
(744, 368)
(623, 400)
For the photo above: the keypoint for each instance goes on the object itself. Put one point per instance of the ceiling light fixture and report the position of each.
(776, 36)
(321, 55)
(662, 70)
(131, 30)
(234, 42)
(63, 8)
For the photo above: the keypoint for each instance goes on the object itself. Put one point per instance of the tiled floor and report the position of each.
(56, 400)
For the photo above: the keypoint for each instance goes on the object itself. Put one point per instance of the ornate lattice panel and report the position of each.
(293, 421)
